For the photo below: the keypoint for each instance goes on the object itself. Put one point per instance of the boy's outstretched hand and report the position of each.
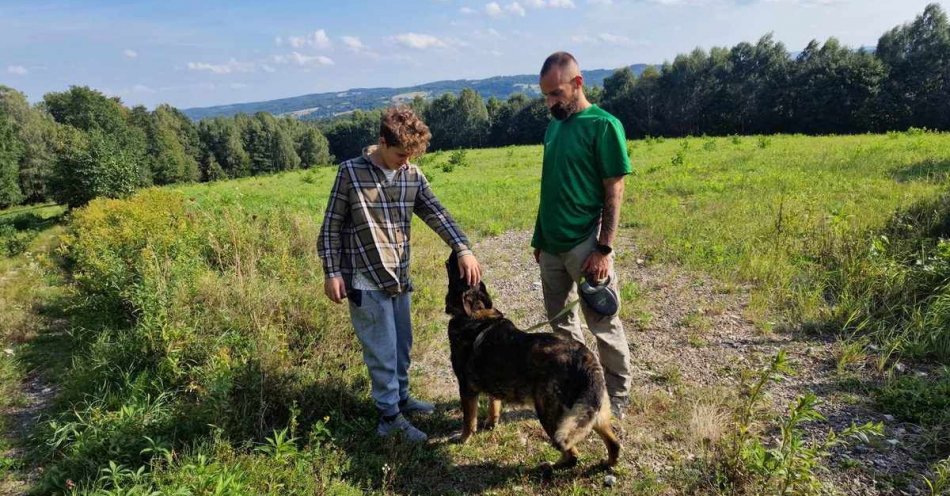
(470, 269)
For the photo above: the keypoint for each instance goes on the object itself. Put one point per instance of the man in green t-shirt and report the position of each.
(585, 161)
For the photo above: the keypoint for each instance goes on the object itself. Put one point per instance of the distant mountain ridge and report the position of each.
(322, 105)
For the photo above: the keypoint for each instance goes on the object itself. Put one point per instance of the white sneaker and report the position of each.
(618, 406)
(400, 425)
(413, 405)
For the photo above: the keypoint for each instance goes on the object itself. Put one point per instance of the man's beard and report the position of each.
(562, 111)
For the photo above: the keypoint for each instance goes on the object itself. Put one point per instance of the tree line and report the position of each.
(750, 88)
(78, 144)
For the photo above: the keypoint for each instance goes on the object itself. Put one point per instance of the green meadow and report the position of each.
(190, 349)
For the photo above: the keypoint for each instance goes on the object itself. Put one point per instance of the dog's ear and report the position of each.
(476, 299)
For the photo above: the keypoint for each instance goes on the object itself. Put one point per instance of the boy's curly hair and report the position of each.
(400, 126)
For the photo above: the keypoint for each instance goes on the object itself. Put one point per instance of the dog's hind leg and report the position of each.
(606, 432)
(494, 413)
(469, 416)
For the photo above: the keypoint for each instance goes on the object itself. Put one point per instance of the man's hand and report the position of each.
(471, 271)
(537, 255)
(597, 266)
(335, 289)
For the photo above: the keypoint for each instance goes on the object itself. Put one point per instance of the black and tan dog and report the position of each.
(559, 376)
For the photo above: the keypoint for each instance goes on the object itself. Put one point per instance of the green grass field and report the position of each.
(201, 348)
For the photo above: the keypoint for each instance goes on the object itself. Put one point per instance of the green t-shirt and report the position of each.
(579, 153)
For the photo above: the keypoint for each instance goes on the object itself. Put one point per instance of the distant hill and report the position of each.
(321, 105)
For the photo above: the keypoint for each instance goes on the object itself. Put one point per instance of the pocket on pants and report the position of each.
(355, 296)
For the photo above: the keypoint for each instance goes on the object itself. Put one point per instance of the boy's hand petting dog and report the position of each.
(470, 269)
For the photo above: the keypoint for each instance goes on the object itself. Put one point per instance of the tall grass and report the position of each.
(200, 328)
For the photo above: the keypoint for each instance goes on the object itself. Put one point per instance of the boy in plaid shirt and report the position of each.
(364, 245)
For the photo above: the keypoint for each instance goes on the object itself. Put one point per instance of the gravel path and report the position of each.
(690, 339)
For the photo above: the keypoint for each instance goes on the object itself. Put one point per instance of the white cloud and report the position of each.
(278, 41)
(303, 60)
(606, 39)
(237, 86)
(141, 88)
(227, 68)
(810, 3)
(17, 70)
(467, 10)
(516, 9)
(357, 46)
(494, 9)
(557, 4)
(353, 43)
(488, 34)
(614, 39)
(687, 2)
(317, 39)
(419, 41)
(267, 68)
(128, 52)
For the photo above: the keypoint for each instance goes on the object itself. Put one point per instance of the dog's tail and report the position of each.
(591, 411)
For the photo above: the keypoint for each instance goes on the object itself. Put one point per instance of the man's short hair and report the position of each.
(400, 126)
(557, 59)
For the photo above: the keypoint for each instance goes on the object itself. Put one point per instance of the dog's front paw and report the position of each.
(461, 437)
(490, 425)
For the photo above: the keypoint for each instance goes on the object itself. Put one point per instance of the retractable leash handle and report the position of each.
(601, 298)
(587, 288)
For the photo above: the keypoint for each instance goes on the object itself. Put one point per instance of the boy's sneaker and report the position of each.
(618, 406)
(400, 424)
(412, 405)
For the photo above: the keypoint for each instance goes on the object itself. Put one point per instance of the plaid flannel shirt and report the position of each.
(367, 221)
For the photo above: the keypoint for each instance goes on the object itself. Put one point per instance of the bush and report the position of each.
(94, 164)
(14, 242)
(112, 244)
(198, 319)
(892, 286)
(924, 401)
(787, 464)
(459, 158)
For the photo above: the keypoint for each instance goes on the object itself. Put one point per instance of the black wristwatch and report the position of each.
(604, 249)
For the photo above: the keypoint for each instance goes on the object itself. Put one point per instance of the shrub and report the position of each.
(788, 464)
(459, 158)
(924, 401)
(94, 164)
(201, 318)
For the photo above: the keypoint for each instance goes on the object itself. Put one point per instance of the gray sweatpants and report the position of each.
(558, 275)
(384, 329)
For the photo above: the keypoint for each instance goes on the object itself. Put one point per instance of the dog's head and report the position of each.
(462, 299)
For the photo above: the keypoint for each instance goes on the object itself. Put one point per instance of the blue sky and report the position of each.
(199, 53)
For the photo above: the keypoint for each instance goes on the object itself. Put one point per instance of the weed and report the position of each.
(789, 465)
(459, 158)
(940, 484)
